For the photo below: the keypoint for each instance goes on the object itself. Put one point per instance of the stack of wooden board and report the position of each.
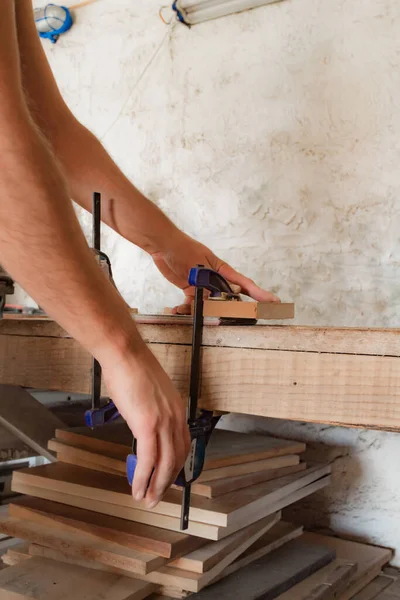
(85, 516)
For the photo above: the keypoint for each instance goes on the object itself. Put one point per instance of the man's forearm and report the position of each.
(88, 166)
(42, 246)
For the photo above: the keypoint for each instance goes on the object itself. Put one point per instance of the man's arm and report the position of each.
(87, 166)
(43, 248)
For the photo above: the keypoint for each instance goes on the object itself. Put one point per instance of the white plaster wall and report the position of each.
(274, 137)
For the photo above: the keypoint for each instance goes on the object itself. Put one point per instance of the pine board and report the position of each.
(354, 371)
(369, 559)
(44, 579)
(26, 418)
(345, 340)
(224, 512)
(206, 557)
(226, 448)
(202, 530)
(273, 574)
(249, 310)
(162, 542)
(82, 544)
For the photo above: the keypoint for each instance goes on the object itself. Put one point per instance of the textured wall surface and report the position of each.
(274, 137)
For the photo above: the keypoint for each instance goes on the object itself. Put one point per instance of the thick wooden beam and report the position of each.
(331, 375)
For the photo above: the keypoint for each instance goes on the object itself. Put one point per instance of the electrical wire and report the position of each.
(142, 74)
(80, 4)
(161, 15)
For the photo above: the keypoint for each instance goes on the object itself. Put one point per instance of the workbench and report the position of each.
(340, 376)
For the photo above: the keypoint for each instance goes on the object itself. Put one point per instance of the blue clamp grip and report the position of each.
(97, 417)
(197, 455)
(211, 280)
(200, 432)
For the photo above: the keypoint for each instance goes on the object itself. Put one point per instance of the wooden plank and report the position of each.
(26, 418)
(206, 557)
(273, 574)
(162, 542)
(214, 489)
(369, 559)
(78, 457)
(371, 591)
(342, 340)
(278, 536)
(249, 310)
(336, 583)
(45, 579)
(173, 577)
(233, 509)
(392, 592)
(82, 544)
(351, 390)
(226, 448)
(249, 467)
(202, 530)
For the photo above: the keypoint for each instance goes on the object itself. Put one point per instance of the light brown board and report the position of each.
(224, 449)
(335, 340)
(168, 576)
(203, 530)
(333, 386)
(83, 545)
(45, 579)
(390, 593)
(369, 559)
(249, 310)
(371, 591)
(206, 557)
(229, 510)
(162, 542)
(249, 467)
(273, 574)
(99, 462)
(26, 418)
(216, 488)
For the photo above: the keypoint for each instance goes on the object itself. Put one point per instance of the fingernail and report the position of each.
(152, 504)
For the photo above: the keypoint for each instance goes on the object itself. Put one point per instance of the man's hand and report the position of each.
(156, 415)
(185, 253)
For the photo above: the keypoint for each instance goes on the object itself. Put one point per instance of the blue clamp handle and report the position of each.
(211, 280)
(200, 432)
(96, 417)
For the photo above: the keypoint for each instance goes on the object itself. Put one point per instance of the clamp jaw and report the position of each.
(6, 287)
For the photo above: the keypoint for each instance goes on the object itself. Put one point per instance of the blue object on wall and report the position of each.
(52, 20)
